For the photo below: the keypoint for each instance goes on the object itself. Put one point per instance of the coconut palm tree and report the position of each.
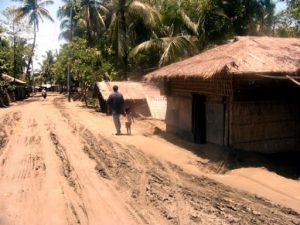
(67, 13)
(35, 12)
(94, 16)
(47, 67)
(126, 15)
(87, 18)
(171, 48)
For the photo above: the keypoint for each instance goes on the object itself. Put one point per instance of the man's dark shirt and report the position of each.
(116, 102)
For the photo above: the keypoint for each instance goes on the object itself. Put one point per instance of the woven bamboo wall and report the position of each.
(220, 85)
(264, 126)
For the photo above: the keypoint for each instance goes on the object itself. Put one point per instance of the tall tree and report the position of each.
(294, 9)
(289, 20)
(125, 15)
(93, 13)
(15, 30)
(35, 11)
(14, 47)
(47, 67)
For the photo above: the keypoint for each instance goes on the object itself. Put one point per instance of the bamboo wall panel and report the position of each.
(219, 85)
(264, 126)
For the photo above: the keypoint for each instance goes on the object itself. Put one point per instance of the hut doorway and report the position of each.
(199, 118)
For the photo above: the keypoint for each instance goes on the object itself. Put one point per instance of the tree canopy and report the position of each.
(121, 39)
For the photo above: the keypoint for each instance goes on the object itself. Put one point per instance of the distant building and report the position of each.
(143, 99)
(244, 95)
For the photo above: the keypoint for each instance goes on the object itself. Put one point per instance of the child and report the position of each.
(129, 120)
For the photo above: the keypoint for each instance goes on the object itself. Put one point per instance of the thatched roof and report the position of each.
(10, 79)
(245, 55)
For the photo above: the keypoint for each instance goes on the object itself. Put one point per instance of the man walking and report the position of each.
(116, 103)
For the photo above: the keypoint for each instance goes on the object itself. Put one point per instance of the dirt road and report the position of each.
(60, 165)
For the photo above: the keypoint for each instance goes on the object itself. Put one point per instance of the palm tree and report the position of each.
(34, 10)
(124, 17)
(170, 48)
(94, 16)
(87, 18)
(47, 66)
(64, 13)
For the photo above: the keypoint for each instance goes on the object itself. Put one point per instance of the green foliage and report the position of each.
(5, 60)
(47, 68)
(91, 102)
(6, 86)
(35, 12)
(15, 51)
(108, 39)
(294, 10)
(11, 87)
(288, 21)
(7, 56)
(86, 64)
(120, 36)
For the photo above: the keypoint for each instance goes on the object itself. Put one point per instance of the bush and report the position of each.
(91, 102)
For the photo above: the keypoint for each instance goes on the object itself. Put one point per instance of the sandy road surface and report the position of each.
(59, 165)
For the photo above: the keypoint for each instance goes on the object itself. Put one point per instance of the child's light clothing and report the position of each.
(128, 120)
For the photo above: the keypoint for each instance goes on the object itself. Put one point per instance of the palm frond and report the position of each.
(46, 3)
(147, 45)
(64, 35)
(145, 12)
(64, 24)
(45, 13)
(189, 23)
(220, 13)
(100, 19)
(177, 48)
(103, 9)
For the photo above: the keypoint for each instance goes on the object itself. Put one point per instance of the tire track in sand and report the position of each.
(72, 179)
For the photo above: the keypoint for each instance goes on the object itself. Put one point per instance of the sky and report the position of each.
(47, 36)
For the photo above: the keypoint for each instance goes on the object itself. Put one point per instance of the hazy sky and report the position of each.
(47, 36)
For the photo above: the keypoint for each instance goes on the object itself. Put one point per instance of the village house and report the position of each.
(19, 93)
(143, 99)
(244, 95)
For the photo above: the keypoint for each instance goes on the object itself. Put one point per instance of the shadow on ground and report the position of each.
(223, 159)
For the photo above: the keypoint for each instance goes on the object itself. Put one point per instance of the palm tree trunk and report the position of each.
(32, 51)
(123, 38)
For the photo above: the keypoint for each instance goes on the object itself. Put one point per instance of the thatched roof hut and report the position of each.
(244, 55)
(244, 94)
